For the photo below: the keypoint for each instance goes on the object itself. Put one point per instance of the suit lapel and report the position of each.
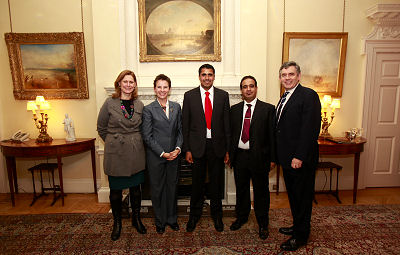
(172, 111)
(199, 103)
(291, 100)
(159, 110)
(256, 112)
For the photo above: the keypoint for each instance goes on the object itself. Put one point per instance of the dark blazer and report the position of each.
(159, 132)
(194, 123)
(298, 128)
(262, 143)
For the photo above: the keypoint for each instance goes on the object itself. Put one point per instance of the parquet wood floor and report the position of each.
(87, 203)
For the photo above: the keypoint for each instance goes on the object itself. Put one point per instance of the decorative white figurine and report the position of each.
(69, 128)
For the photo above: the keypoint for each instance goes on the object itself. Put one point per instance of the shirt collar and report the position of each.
(253, 103)
(167, 104)
(292, 89)
(203, 91)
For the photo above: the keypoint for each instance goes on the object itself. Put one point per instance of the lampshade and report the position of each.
(327, 99)
(335, 103)
(39, 100)
(31, 106)
(45, 106)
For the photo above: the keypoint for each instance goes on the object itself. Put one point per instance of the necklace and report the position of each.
(125, 112)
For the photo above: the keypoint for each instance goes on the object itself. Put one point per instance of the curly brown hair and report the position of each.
(117, 93)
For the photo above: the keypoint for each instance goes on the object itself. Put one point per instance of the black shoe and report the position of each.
(287, 231)
(174, 226)
(292, 244)
(160, 229)
(218, 224)
(263, 233)
(237, 224)
(191, 224)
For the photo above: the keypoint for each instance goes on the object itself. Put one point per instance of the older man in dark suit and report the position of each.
(206, 136)
(251, 154)
(297, 129)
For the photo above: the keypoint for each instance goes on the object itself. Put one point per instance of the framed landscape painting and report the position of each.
(52, 65)
(172, 30)
(322, 58)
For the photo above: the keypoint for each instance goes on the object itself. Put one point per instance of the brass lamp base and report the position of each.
(44, 138)
(324, 135)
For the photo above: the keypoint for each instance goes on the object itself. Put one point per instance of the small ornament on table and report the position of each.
(69, 128)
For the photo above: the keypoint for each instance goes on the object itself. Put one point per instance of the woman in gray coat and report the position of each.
(118, 124)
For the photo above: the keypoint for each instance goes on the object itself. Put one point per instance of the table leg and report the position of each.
(92, 152)
(12, 174)
(61, 179)
(356, 170)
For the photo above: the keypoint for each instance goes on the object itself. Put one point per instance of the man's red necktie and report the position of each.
(246, 125)
(208, 110)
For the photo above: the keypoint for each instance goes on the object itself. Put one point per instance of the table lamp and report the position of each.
(326, 103)
(40, 105)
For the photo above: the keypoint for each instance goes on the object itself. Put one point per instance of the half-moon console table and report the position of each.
(327, 147)
(57, 148)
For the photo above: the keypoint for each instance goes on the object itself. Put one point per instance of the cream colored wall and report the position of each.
(33, 16)
(261, 28)
(326, 16)
(253, 43)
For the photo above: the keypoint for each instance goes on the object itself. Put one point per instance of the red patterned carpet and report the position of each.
(335, 230)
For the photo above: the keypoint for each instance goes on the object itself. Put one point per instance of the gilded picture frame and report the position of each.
(179, 30)
(52, 65)
(322, 58)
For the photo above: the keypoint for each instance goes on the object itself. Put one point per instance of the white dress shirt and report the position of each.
(203, 97)
(241, 145)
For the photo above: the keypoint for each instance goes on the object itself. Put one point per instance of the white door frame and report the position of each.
(383, 38)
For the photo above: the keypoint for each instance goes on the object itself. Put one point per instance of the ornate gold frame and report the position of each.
(145, 57)
(288, 36)
(15, 40)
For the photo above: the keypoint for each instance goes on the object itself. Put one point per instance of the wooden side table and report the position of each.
(57, 148)
(327, 147)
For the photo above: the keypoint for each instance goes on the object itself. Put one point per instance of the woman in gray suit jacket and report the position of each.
(162, 133)
(118, 124)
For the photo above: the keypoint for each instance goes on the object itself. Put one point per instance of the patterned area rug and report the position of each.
(355, 229)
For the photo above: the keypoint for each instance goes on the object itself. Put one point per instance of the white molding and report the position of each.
(146, 94)
(103, 195)
(386, 19)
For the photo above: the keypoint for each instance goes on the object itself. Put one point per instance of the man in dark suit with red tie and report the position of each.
(251, 154)
(297, 129)
(206, 137)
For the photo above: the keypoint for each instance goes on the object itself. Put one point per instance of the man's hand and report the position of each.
(296, 163)
(189, 157)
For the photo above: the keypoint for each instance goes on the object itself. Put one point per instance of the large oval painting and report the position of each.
(180, 28)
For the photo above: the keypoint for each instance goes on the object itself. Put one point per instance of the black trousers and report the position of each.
(216, 167)
(300, 188)
(245, 170)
